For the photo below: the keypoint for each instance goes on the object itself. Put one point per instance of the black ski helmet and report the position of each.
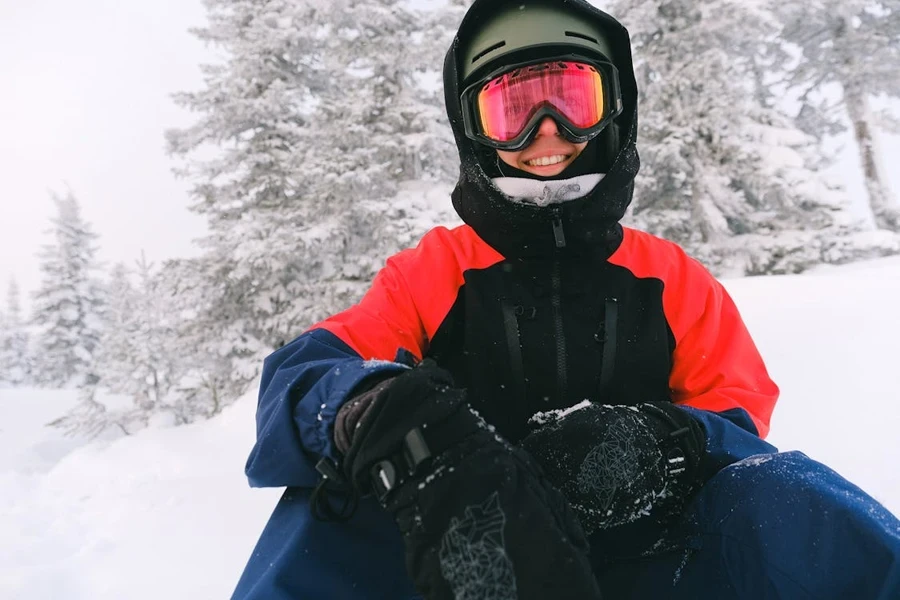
(529, 27)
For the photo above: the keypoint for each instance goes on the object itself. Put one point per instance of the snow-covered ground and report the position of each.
(167, 513)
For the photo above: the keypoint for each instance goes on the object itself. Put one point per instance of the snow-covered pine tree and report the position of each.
(725, 173)
(386, 126)
(91, 417)
(4, 334)
(318, 116)
(15, 368)
(156, 366)
(134, 357)
(114, 350)
(856, 45)
(113, 367)
(67, 306)
(209, 374)
(380, 125)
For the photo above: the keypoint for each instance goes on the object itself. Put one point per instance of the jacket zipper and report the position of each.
(514, 347)
(606, 337)
(556, 301)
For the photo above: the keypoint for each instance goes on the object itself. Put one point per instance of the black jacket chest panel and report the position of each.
(527, 336)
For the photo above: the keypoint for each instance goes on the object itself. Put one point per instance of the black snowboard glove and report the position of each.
(478, 518)
(628, 471)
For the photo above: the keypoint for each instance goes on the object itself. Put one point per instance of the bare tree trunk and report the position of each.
(710, 220)
(211, 384)
(157, 400)
(706, 213)
(882, 202)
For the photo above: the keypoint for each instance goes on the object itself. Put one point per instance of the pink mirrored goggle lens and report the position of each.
(507, 103)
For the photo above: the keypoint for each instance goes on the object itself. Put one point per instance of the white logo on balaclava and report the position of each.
(544, 193)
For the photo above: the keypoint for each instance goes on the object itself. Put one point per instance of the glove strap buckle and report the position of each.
(389, 473)
(328, 469)
(383, 476)
(415, 449)
(332, 482)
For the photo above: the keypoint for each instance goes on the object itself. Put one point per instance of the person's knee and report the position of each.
(788, 500)
(785, 517)
(765, 475)
(761, 494)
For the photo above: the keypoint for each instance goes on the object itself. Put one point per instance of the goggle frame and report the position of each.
(609, 77)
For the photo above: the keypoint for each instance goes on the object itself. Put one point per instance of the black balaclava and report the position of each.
(586, 225)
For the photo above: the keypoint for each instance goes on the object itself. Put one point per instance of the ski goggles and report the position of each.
(504, 110)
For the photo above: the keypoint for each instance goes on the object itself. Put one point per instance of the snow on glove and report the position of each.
(627, 471)
(478, 519)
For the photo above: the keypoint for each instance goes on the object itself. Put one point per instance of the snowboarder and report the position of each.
(543, 403)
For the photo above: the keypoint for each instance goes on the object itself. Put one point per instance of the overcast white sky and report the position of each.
(84, 102)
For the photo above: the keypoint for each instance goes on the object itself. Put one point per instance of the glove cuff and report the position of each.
(352, 413)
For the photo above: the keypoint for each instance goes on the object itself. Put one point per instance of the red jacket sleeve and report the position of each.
(716, 365)
(411, 295)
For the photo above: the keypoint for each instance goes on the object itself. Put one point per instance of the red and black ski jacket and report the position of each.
(522, 336)
(648, 323)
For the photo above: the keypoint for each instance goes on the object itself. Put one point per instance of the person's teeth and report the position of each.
(546, 161)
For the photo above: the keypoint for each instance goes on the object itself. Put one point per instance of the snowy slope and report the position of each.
(164, 514)
(167, 513)
(830, 340)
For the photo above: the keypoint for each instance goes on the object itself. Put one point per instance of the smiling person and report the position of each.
(548, 155)
(542, 403)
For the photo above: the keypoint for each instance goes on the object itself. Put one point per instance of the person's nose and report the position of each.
(548, 127)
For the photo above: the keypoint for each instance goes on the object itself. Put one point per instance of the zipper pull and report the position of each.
(558, 233)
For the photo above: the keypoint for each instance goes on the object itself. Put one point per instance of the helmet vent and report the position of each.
(575, 34)
(488, 50)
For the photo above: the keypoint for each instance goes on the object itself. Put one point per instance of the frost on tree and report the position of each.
(15, 368)
(725, 172)
(854, 44)
(319, 112)
(67, 307)
(139, 356)
(139, 353)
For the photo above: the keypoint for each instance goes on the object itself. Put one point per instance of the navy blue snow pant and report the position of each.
(772, 526)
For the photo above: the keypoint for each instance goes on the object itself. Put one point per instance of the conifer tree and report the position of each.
(319, 113)
(15, 367)
(67, 307)
(725, 172)
(856, 45)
